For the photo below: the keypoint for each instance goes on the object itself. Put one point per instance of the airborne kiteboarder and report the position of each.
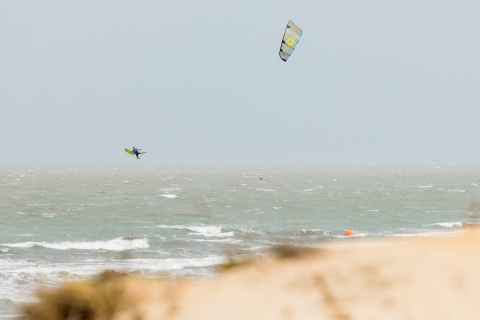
(137, 152)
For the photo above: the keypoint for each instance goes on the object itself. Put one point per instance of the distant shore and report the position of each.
(422, 278)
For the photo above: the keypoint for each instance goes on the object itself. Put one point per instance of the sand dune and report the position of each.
(425, 278)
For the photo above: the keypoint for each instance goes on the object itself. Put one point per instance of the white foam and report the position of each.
(249, 230)
(425, 234)
(219, 240)
(167, 190)
(210, 231)
(266, 190)
(171, 196)
(52, 215)
(24, 300)
(355, 234)
(429, 186)
(207, 231)
(456, 190)
(307, 190)
(96, 266)
(256, 248)
(277, 208)
(323, 232)
(224, 234)
(446, 224)
(117, 244)
(172, 264)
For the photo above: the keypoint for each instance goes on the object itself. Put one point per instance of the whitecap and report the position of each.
(266, 190)
(96, 266)
(207, 231)
(52, 214)
(425, 234)
(317, 231)
(117, 244)
(429, 186)
(219, 240)
(456, 190)
(446, 224)
(249, 230)
(174, 264)
(171, 196)
(166, 190)
(210, 231)
(355, 234)
(256, 248)
(208, 234)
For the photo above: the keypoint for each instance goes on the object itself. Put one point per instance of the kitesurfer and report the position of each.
(137, 152)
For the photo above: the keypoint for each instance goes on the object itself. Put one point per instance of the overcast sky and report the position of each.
(369, 82)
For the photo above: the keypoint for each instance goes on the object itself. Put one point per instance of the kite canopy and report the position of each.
(290, 39)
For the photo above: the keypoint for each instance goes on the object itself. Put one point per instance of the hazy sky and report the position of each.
(369, 82)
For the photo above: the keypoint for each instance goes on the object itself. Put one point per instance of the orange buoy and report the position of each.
(348, 233)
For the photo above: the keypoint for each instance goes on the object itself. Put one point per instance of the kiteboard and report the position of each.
(129, 151)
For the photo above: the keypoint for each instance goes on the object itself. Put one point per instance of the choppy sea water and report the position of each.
(73, 221)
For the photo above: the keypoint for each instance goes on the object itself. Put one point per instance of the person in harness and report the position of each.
(137, 152)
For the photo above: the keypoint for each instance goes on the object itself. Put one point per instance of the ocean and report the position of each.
(72, 221)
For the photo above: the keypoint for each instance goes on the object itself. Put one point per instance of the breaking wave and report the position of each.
(172, 196)
(207, 231)
(117, 244)
(446, 224)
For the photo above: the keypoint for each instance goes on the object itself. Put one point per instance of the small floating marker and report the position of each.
(348, 233)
